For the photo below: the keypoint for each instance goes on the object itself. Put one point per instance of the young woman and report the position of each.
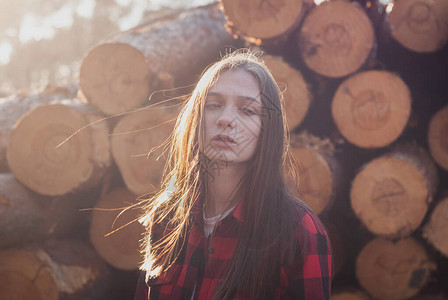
(224, 225)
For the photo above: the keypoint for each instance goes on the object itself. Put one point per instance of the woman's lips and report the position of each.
(223, 140)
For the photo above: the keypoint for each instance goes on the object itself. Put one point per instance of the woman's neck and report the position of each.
(223, 191)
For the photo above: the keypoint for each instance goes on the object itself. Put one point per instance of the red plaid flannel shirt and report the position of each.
(307, 278)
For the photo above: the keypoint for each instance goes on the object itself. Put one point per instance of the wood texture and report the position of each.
(391, 193)
(393, 270)
(14, 107)
(296, 93)
(436, 231)
(372, 108)
(137, 147)
(336, 38)
(121, 73)
(438, 137)
(419, 25)
(64, 270)
(80, 162)
(121, 248)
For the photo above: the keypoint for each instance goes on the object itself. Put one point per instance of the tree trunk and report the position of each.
(119, 248)
(388, 270)
(64, 270)
(296, 93)
(349, 295)
(137, 147)
(391, 193)
(27, 217)
(438, 137)
(80, 162)
(121, 73)
(436, 231)
(15, 106)
(419, 25)
(318, 171)
(372, 108)
(264, 20)
(336, 38)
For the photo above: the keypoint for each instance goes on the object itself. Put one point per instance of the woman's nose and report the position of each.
(226, 118)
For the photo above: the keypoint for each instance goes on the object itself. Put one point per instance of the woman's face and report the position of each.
(232, 118)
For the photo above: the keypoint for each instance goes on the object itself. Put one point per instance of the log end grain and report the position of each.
(419, 25)
(296, 94)
(40, 160)
(22, 276)
(315, 184)
(388, 270)
(372, 108)
(390, 196)
(436, 231)
(137, 147)
(115, 78)
(438, 137)
(262, 19)
(121, 248)
(336, 38)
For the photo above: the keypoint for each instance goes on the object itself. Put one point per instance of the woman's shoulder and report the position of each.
(305, 218)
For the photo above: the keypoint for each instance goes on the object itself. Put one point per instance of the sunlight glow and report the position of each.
(86, 8)
(5, 52)
(37, 28)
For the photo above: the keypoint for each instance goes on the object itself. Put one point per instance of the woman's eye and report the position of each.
(212, 105)
(249, 111)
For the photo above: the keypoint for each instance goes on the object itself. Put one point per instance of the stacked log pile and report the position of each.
(366, 103)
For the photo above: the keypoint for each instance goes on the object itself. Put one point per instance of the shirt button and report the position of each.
(210, 250)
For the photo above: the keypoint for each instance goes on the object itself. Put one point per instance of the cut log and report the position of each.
(336, 38)
(388, 270)
(438, 137)
(80, 162)
(27, 217)
(137, 147)
(296, 94)
(318, 171)
(436, 231)
(118, 248)
(14, 107)
(372, 108)
(263, 19)
(419, 25)
(64, 270)
(350, 295)
(391, 193)
(121, 73)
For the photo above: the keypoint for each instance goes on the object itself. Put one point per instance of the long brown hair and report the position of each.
(267, 208)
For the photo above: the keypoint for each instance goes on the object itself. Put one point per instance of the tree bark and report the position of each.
(27, 217)
(350, 295)
(15, 106)
(336, 38)
(393, 270)
(64, 270)
(438, 137)
(137, 147)
(296, 93)
(121, 73)
(436, 231)
(266, 20)
(419, 25)
(372, 108)
(391, 193)
(119, 248)
(318, 171)
(80, 162)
